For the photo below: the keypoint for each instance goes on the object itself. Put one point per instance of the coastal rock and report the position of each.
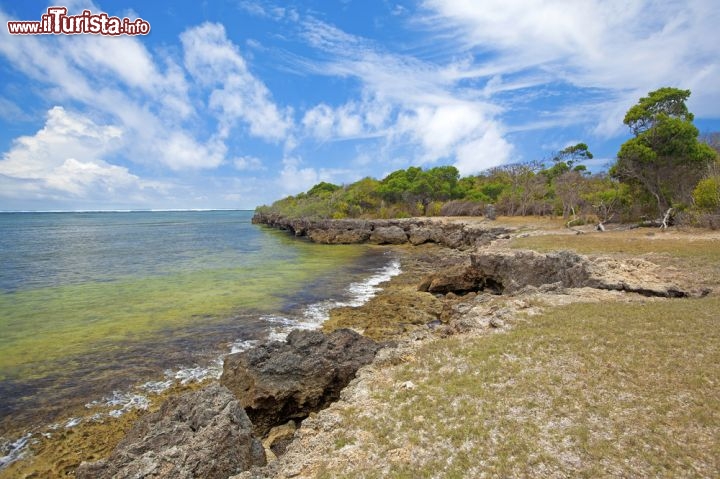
(278, 440)
(392, 231)
(279, 381)
(204, 434)
(418, 235)
(455, 280)
(388, 235)
(337, 231)
(510, 272)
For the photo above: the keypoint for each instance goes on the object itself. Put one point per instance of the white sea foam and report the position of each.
(156, 387)
(13, 451)
(242, 345)
(119, 403)
(315, 314)
(72, 422)
(359, 293)
(278, 334)
(365, 290)
(200, 373)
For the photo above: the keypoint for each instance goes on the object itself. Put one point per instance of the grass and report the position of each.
(586, 390)
(698, 253)
(633, 242)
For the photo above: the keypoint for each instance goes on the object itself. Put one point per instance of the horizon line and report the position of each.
(147, 210)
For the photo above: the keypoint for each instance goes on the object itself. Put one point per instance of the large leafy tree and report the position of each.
(415, 185)
(664, 158)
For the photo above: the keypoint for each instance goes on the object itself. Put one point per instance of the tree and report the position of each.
(414, 185)
(569, 188)
(526, 191)
(665, 158)
(568, 159)
(323, 189)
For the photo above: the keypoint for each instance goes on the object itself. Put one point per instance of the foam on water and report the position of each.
(13, 451)
(315, 314)
(242, 345)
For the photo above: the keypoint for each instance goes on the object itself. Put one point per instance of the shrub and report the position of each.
(707, 194)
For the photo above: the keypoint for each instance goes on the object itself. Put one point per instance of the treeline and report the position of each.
(665, 169)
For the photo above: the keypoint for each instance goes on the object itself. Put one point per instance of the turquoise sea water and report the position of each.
(108, 307)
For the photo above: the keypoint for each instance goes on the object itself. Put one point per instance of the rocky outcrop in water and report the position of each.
(279, 381)
(415, 231)
(204, 434)
(507, 272)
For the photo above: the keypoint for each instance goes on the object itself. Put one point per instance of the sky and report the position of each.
(236, 103)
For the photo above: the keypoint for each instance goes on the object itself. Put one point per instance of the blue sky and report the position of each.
(235, 103)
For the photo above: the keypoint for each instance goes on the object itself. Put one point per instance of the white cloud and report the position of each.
(479, 154)
(214, 60)
(118, 79)
(249, 163)
(624, 48)
(295, 179)
(407, 102)
(352, 120)
(64, 159)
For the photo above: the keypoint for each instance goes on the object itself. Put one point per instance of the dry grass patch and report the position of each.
(698, 252)
(585, 390)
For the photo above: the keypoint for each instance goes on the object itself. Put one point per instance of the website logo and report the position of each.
(57, 22)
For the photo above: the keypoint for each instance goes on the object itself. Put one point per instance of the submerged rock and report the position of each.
(279, 381)
(204, 434)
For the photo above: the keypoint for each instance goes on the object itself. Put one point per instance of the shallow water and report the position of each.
(104, 307)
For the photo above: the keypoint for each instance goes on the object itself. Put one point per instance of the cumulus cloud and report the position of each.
(353, 120)
(296, 177)
(176, 112)
(64, 159)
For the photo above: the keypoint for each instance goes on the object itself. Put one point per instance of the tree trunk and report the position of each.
(666, 218)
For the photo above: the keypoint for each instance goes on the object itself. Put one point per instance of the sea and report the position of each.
(101, 310)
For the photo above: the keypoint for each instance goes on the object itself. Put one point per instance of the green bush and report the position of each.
(707, 194)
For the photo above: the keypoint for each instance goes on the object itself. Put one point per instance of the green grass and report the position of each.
(585, 390)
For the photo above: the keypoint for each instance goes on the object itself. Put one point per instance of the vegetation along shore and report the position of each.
(571, 343)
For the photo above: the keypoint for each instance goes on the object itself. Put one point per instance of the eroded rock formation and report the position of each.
(415, 231)
(507, 272)
(204, 434)
(279, 381)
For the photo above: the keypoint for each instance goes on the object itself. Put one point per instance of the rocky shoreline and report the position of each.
(270, 410)
(414, 231)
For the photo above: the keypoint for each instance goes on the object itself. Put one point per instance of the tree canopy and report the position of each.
(662, 165)
(665, 158)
